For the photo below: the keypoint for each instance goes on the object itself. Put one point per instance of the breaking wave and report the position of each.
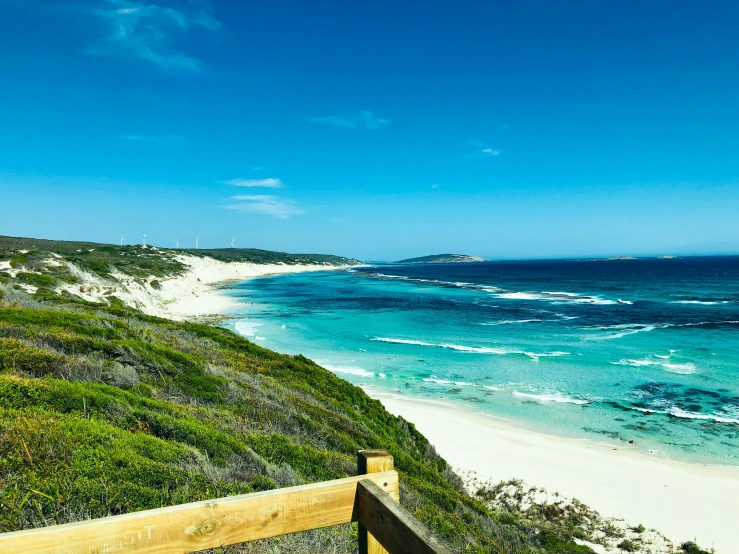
(674, 411)
(623, 330)
(552, 397)
(472, 349)
(349, 370)
(511, 321)
(247, 328)
(686, 368)
(555, 297)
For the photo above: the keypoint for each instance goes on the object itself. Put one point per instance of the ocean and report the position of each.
(641, 352)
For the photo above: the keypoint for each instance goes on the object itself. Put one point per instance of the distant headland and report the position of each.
(442, 259)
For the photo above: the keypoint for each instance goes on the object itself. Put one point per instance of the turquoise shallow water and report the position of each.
(621, 350)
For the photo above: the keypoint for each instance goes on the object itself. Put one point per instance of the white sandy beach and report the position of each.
(190, 295)
(682, 500)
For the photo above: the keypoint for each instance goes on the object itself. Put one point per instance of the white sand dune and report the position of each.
(190, 295)
(684, 501)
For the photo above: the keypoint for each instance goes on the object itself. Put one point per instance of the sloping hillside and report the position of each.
(153, 280)
(104, 410)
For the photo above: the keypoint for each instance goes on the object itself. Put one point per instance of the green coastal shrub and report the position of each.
(691, 548)
(119, 375)
(628, 545)
(16, 356)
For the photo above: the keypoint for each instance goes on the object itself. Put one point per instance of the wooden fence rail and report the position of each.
(370, 498)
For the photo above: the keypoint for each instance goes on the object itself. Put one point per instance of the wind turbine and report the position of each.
(177, 244)
(196, 242)
(232, 242)
(121, 240)
(143, 240)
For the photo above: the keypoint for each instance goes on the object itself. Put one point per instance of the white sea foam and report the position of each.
(247, 328)
(511, 321)
(433, 379)
(491, 387)
(260, 338)
(535, 356)
(701, 302)
(404, 341)
(727, 321)
(553, 397)
(686, 368)
(679, 412)
(557, 297)
(350, 370)
(478, 349)
(665, 356)
(472, 349)
(599, 301)
(522, 296)
(623, 330)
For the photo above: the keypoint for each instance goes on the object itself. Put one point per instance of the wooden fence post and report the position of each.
(373, 461)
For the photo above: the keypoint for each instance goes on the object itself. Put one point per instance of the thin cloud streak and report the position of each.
(361, 120)
(265, 204)
(159, 139)
(151, 32)
(483, 150)
(271, 183)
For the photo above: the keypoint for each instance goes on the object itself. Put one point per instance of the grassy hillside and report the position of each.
(257, 256)
(101, 259)
(104, 410)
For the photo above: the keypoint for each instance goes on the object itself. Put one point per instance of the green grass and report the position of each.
(104, 259)
(104, 410)
(257, 256)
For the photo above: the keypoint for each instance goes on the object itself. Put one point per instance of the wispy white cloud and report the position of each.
(482, 150)
(265, 204)
(152, 31)
(155, 138)
(435, 186)
(360, 120)
(270, 183)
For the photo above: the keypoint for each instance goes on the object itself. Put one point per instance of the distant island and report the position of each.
(442, 259)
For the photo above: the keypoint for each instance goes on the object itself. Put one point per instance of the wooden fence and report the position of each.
(371, 499)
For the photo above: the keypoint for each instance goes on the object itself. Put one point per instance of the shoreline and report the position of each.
(193, 294)
(209, 298)
(684, 501)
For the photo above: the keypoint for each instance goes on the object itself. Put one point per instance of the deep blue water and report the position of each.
(616, 350)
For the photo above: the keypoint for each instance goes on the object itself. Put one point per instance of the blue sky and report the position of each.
(374, 129)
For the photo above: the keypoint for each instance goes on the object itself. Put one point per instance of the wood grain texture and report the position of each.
(369, 462)
(390, 524)
(200, 525)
